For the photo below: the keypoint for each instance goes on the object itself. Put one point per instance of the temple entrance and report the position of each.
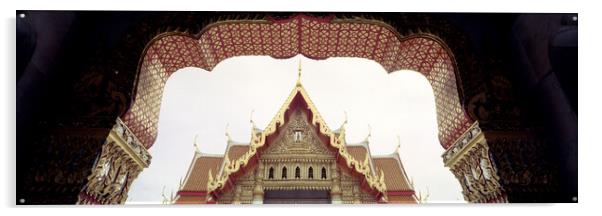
(471, 157)
(423, 53)
(91, 143)
(297, 197)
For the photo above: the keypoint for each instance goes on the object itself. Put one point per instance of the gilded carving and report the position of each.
(374, 181)
(298, 138)
(470, 161)
(121, 160)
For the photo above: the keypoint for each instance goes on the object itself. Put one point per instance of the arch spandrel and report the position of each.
(316, 38)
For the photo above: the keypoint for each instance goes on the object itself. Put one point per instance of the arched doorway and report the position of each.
(316, 37)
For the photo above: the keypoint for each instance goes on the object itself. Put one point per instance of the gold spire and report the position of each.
(398, 145)
(251, 118)
(196, 145)
(165, 200)
(342, 128)
(299, 75)
(423, 198)
(227, 132)
(367, 139)
(180, 184)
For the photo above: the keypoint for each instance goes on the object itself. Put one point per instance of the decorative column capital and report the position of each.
(470, 160)
(120, 161)
(126, 139)
(464, 143)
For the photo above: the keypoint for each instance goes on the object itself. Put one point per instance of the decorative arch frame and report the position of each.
(316, 37)
(396, 42)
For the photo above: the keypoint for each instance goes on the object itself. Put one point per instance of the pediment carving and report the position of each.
(298, 137)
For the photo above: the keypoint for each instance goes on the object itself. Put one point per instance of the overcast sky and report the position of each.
(199, 102)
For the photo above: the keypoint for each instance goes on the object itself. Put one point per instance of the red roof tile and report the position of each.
(395, 177)
(197, 179)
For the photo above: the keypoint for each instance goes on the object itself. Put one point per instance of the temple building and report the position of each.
(297, 158)
(89, 88)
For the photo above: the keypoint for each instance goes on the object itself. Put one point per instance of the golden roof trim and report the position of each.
(375, 181)
(397, 158)
(365, 144)
(190, 168)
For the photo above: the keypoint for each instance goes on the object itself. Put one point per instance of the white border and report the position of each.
(589, 79)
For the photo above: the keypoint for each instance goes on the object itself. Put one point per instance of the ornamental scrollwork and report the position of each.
(297, 139)
(336, 140)
(471, 162)
(110, 178)
(120, 161)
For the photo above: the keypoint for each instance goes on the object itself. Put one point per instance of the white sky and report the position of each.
(197, 102)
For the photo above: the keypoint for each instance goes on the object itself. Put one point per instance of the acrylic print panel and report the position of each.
(295, 107)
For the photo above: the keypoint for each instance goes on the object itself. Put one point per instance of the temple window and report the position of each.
(283, 172)
(310, 173)
(271, 173)
(297, 173)
(298, 135)
(323, 173)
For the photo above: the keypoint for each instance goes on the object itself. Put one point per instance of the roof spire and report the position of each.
(254, 129)
(196, 145)
(367, 139)
(398, 145)
(423, 198)
(227, 132)
(251, 117)
(180, 184)
(299, 75)
(164, 201)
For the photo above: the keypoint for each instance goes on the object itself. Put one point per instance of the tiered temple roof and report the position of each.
(385, 175)
(399, 187)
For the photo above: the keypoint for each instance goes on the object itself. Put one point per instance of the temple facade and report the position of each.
(296, 159)
(90, 86)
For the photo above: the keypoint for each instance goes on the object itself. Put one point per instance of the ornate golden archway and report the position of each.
(467, 153)
(315, 38)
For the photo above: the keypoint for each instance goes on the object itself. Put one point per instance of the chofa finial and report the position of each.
(228, 132)
(165, 200)
(367, 139)
(299, 73)
(398, 144)
(196, 145)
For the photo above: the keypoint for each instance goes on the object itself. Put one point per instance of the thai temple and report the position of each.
(297, 158)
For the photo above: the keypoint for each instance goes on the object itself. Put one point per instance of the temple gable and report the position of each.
(299, 139)
(296, 159)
